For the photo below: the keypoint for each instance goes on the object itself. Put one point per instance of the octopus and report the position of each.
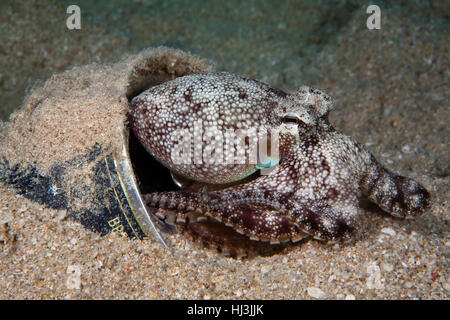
(305, 178)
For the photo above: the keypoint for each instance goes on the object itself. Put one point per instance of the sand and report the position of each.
(392, 92)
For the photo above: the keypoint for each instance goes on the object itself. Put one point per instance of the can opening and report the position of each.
(151, 175)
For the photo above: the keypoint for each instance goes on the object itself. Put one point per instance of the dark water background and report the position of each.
(273, 41)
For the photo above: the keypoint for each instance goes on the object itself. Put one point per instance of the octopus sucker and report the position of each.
(311, 187)
(226, 241)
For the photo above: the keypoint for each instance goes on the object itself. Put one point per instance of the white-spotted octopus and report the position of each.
(314, 185)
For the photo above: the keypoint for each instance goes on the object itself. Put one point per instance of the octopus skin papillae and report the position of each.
(312, 189)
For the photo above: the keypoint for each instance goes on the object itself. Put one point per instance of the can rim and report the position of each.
(128, 181)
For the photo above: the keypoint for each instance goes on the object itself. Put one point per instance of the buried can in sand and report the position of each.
(68, 146)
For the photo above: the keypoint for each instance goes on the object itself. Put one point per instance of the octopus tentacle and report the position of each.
(397, 195)
(254, 218)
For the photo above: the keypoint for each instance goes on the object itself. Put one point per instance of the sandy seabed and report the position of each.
(392, 92)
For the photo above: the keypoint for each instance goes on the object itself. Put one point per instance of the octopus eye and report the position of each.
(291, 118)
